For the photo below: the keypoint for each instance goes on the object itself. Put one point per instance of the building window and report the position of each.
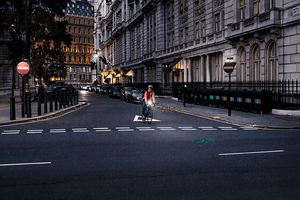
(271, 72)
(89, 22)
(74, 29)
(74, 20)
(70, 59)
(83, 76)
(89, 40)
(84, 31)
(89, 50)
(65, 48)
(255, 70)
(75, 50)
(181, 36)
(69, 29)
(74, 59)
(84, 40)
(90, 69)
(242, 68)
(79, 21)
(79, 76)
(256, 7)
(79, 30)
(70, 20)
(197, 31)
(186, 37)
(242, 9)
(79, 40)
(83, 69)
(90, 61)
(70, 69)
(89, 31)
(270, 4)
(203, 28)
(84, 59)
(217, 22)
(80, 60)
(83, 21)
(74, 39)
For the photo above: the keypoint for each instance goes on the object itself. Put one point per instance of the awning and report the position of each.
(169, 65)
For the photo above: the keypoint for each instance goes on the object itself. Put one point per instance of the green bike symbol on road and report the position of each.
(204, 141)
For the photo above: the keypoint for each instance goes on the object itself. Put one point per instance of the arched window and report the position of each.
(272, 60)
(241, 68)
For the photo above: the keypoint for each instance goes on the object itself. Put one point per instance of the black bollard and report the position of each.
(60, 100)
(39, 105)
(51, 102)
(68, 99)
(77, 96)
(23, 109)
(71, 97)
(12, 108)
(74, 94)
(64, 99)
(55, 104)
(45, 103)
(28, 105)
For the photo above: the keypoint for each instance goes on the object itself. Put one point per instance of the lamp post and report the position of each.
(228, 68)
(96, 55)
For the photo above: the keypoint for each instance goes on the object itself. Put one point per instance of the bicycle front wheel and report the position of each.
(150, 116)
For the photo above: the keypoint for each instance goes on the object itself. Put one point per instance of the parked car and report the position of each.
(55, 89)
(92, 88)
(88, 86)
(124, 94)
(97, 89)
(115, 92)
(83, 86)
(104, 89)
(135, 96)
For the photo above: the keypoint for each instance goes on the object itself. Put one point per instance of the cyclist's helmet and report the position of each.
(150, 86)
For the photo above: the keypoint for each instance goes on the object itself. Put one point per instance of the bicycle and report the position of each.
(148, 113)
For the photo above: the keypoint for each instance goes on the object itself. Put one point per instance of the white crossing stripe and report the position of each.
(209, 129)
(60, 130)
(10, 132)
(147, 129)
(100, 128)
(205, 127)
(143, 127)
(80, 130)
(34, 131)
(168, 129)
(163, 127)
(187, 127)
(125, 130)
(224, 127)
(122, 127)
(103, 130)
(229, 129)
(23, 164)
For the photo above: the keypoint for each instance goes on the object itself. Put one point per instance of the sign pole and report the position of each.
(229, 107)
(23, 96)
(228, 68)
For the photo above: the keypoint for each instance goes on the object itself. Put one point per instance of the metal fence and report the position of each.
(285, 93)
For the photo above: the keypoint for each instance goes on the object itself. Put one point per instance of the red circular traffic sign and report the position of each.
(23, 68)
(229, 67)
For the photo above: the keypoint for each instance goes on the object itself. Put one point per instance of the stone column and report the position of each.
(201, 74)
(190, 71)
(207, 68)
(184, 71)
(133, 75)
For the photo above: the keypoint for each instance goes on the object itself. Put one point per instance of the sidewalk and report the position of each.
(237, 117)
(5, 111)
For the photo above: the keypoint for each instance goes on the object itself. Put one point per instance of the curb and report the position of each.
(223, 120)
(50, 115)
(286, 112)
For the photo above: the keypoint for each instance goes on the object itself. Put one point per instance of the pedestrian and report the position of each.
(183, 93)
(148, 96)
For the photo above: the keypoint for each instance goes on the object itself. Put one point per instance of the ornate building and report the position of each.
(80, 15)
(167, 41)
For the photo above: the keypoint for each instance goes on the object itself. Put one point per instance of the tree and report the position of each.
(46, 34)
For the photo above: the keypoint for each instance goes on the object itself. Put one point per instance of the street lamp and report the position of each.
(228, 68)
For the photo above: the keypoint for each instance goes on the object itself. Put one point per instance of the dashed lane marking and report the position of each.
(229, 129)
(205, 127)
(24, 164)
(11, 132)
(60, 130)
(125, 130)
(122, 127)
(189, 129)
(224, 127)
(35, 131)
(247, 153)
(80, 130)
(209, 129)
(102, 129)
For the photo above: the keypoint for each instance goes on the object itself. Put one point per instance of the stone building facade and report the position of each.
(169, 41)
(80, 15)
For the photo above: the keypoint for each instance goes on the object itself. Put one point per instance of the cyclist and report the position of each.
(148, 96)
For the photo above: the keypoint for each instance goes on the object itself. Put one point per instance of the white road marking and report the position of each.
(168, 129)
(59, 130)
(100, 128)
(224, 127)
(143, 127)
(246, 153)
(189, 129)
(164, 127)
(206, 127)
(229, 129)
(125, 130)
(80, 130)
(23, 164)
(138, 118)
(186, 127)
(122, 127)
(34, 131)
(11, 132)
(209, 129)
(147, 129)
(103, 130)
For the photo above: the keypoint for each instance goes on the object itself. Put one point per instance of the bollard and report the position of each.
(71, 97)
(64, 99)
(28, 105)
(45, 103)
(77, 96)
(12, 108)
(51, 102)
(23, 109)
(60, 100)
(68, 99)
(55, 104)
(39, 105)
(74, 94)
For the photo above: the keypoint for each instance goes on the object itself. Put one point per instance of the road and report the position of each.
(101, 152)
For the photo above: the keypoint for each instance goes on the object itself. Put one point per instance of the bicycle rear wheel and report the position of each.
(149, 116)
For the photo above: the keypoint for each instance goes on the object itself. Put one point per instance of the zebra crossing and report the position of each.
(128, 129)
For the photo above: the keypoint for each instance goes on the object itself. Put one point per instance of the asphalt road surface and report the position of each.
(104, 151)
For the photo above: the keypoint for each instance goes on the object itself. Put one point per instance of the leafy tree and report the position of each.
(46, 34)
